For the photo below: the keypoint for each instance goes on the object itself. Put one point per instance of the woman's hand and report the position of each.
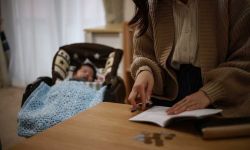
(194, 101)
(142, 89)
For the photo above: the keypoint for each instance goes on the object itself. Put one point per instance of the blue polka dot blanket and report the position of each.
(47, 106)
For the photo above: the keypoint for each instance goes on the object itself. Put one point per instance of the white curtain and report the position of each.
(37, 28)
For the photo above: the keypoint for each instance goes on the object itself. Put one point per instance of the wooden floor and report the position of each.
(10, 101)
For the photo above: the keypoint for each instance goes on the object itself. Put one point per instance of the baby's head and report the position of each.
(86, 72)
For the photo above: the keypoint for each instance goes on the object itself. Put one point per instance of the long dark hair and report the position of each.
(141, 16)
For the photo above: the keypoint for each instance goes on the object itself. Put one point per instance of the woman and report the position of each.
(196, 53)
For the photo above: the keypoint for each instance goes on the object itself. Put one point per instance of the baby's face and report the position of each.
(85, 72)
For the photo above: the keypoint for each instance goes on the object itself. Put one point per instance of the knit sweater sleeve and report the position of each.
(231, 79)
(144, 55)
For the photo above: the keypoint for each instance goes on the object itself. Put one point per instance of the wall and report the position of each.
(129, 9)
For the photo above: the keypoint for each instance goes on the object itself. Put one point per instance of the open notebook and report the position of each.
(158, 115)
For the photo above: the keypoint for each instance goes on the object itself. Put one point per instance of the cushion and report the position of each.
(109, 64)
(61, 64)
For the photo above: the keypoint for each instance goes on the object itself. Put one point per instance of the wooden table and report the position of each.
(106, 126)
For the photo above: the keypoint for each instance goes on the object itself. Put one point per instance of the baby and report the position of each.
(85, 72)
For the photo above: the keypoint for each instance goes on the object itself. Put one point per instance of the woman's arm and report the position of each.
(231, 79)
(144, 55)
(229, 83)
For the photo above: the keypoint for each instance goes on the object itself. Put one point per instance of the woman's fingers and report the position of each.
(138, 95)
(143, 97)
(182, 106)
(194, 101)
(149, 90)
(193, 107)
(132, 98)
(141, 89)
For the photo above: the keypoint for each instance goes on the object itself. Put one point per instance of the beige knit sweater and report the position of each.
(224, 51)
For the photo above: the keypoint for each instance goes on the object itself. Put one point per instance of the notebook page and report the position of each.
(158, 115)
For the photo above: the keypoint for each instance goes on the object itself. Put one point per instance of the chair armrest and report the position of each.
(116, 90)
(32, 86)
